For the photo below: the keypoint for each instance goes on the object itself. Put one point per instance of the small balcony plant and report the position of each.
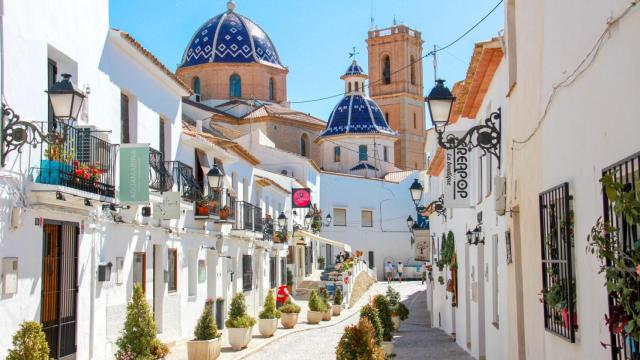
(56, 165)
(206, 344)
(202, 207)
(224, 213)
(268, 317)
(289, 314)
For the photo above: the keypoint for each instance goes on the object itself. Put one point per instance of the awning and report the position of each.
(204, 162)
(346, 247)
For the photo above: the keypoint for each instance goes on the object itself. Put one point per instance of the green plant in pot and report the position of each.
(29, 343)
(316, 308)
(239, 325)
(337, 301)
(358, 343)
(399, 312)
(381, 304)
(371, 313)
(206, 344)
(324, 296)
(289, 314)
(268, 317)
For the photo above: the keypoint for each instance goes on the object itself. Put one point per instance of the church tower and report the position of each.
(395, 72)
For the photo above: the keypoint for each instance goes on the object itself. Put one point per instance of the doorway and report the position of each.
(158, 286)
(60, 287)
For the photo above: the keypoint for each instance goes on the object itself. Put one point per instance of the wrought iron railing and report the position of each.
(183, 178)
(248, 217)
(160, 177)
(81, 161)
(210, 205)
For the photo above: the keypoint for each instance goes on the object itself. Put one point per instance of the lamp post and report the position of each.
(66, 101)
(328, 220)
(473, 236)
(416, 189)
(485, 136)
(215, 177)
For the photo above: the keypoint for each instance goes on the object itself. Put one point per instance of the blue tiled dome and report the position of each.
(230, 38)
(357, 114)
(354, 69)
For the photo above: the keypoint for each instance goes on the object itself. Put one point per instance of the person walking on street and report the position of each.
(423, 271)
(400, 270)
(388, 269)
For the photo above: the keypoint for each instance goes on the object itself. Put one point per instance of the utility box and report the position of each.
(104, 272)
(9, 275)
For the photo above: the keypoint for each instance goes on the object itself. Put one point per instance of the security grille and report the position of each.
(272, 274)
(247, 273)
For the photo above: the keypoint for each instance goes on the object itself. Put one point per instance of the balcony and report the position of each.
(183, 178)
(82, 161)
(248, 217)
(160, 177)
(210, 206)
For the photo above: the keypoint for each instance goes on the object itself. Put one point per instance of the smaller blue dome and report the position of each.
(357, 114)
(354, 69)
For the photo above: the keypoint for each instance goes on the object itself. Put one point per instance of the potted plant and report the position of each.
(268, 317)
(337, 301)
(316, 308)
(316, 218)
(289, 281)
(289, 314)
(358, 342)
(324, 297)
(224, 213)
(399, 312)
(202, 207)
(384, 313)
(370, 313)
(321, 262)
(29, 342)
(138, 339)
(556, 297)
(58, 162)
(206, 344)
(239, 325)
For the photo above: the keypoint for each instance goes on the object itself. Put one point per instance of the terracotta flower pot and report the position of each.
(203, 350)
(224, 214)
(388, 347)
(336, 309)
(289, 320)
(239, 338)
(396, 322)
(202, 211)
(565, 317)
(314, 317)
(326, 316)
(267, 327)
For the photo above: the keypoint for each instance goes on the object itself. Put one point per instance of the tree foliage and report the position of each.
(269, 311)
(358, 343)
(29, 343)
(206, 326)
(384, 313)
(238, 317)
(371, 314)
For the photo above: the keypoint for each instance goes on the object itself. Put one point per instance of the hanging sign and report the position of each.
(301, 198)
(458, 179)
(134, 174)
(169, 208)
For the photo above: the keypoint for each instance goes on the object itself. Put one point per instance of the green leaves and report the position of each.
(29, 343)
(269, 311)
(238, 317)
(206, 326)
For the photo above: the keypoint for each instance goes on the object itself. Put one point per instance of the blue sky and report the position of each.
(314, 37)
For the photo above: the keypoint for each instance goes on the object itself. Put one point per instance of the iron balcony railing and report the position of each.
(183, 178)
(81, 161)
(248, 217)
(160, 178)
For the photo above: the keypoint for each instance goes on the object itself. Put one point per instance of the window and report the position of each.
(386, 117)
(247, 273)
(195, 86)
(371, 260)
(52, 73)
(366, 218)
(413, 69)
(362, 153)
(272, 91)
(415, 123)
(124, 119)
(235, 86)
(193, 272)
(385, 153)
(489, 179)
(304, 144)
(558, 281)
(349, 86)
(357, 86)
(139, 269)
(173, 270)
(162, 140)
(494, 279)
(336, 154)
(480, 189)
(272, 271)
(386, 70)
(339, 217)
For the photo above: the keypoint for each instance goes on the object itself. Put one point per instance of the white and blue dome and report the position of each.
(354, 69)
(230, 38)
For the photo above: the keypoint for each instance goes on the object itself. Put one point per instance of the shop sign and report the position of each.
(458, 176)
(134, 174)
(301, 198)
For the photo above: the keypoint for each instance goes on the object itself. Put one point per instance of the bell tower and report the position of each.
(395, 73)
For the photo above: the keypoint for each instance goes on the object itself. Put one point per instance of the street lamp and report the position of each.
(307, 220)
(282, 220)
(416, 190)
(328, 219)
(410, 222)
(473, 237)
(215, 176)
(66, 99)
(485, 136)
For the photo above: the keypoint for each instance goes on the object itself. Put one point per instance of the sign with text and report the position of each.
(169, 208)
(134, 174)
(301, 198)
(458, 176)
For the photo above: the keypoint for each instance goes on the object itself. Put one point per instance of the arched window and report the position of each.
(304, 145)
(349, 86)
(235, 86)
(414, 121)
(413, 70)
(362, 153)
(386, 117)
(195, 85)
(272, 91)
(386, 70)
(357, 86)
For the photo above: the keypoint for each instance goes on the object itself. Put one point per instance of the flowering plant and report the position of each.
(86, 171)
(55, 152)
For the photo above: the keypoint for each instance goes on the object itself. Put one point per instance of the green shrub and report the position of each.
(358, 343)
(206, 327)
(289, 278)
(371, 314)
(238, 317)
(138, 339)
(315, 302)
(397, 308)
(29, 343)
(337, 296)
(269, 311)
(324, 296)
(289, 308)
(384, 313)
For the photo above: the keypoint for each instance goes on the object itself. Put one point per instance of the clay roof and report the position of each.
(437, 164)
(223, 142)
(264, 182)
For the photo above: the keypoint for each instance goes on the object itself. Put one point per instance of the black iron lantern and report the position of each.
(328, 219)
(282, 220)
(416, 190)
(469, 237)
(307, 220)
(476, 236)
(440, 102)
(410, 222)
(66, 99)
(215, 177)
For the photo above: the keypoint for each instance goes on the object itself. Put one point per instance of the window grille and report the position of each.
(247, 273)
(558, 281)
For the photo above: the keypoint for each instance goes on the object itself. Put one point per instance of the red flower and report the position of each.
(76, 163)
(638, 269)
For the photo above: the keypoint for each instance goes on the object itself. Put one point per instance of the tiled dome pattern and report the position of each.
(357, 114)
(354, 69)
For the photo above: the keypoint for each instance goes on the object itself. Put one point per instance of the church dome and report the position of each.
(230, 38)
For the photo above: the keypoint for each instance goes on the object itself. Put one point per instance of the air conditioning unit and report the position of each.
(500, 186)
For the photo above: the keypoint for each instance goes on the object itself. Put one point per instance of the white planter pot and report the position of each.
(289, 321)
(326, 316)
(388, 347)
(203, 350)
(396, 322)
(336, 309)
(239, 338)
(314, 317)
(267, 327)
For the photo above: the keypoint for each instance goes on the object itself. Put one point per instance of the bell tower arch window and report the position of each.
(304, 145)
(386, 70)
(412, 65)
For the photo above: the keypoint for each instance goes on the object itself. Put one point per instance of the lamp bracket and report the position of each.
(437, 205)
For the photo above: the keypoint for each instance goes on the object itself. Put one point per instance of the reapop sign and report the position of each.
(458, 179)
(301, 198)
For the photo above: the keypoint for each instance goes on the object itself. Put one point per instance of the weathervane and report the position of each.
(352, 55)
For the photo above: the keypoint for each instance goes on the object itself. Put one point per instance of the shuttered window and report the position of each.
(339, 217)
(124, 119)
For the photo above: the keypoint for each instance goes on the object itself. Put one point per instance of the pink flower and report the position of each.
(638, 269)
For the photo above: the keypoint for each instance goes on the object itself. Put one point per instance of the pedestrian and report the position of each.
(400, 270)
(388, 269)
(283, 295)
(423, 271)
